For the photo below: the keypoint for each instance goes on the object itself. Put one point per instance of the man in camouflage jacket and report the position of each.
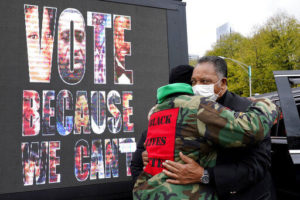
(194, 126)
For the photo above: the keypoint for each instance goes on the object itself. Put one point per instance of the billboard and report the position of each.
(77, 81)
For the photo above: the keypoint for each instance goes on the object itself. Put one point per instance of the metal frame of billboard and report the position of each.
(167, 4)
(178, 54)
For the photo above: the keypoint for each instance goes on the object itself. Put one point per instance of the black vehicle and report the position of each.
(285, 135)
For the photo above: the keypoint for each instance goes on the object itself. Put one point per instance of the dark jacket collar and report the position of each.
(234, 101)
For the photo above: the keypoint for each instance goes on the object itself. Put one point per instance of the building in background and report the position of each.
(193, 57)
(223, 30)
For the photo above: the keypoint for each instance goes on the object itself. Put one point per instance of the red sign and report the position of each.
(160, 140)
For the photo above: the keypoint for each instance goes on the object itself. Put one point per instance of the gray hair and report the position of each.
(219, 64)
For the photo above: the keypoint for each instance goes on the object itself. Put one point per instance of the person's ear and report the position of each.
(223, 85)
(224, 82)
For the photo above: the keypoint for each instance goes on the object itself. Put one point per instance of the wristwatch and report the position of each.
(205, 178)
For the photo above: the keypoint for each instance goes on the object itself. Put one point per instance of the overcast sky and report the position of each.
(204, 16)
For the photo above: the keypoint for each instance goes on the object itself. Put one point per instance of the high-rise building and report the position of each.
(193, 57)
(223, 30)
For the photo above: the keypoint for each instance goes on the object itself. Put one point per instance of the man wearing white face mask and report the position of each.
(208, 80)
(207, 90)
(240, 173)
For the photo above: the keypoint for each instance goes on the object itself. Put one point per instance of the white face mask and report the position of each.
(206, 91)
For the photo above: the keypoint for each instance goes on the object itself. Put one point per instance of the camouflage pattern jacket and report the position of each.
(194, 126)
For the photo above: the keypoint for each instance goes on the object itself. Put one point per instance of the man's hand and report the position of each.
(145, 157)
(188, 173)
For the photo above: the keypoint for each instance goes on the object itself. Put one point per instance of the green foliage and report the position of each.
(274, 46)
(193, 62)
